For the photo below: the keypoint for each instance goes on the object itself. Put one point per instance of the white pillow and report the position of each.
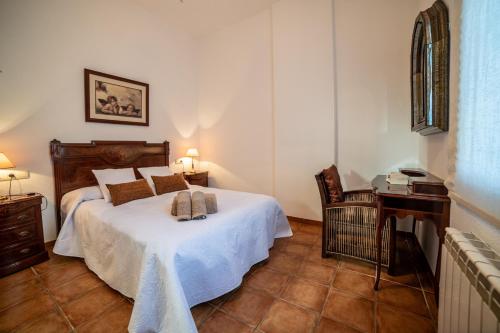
(79, 195)
(160, 171)
(113, 176)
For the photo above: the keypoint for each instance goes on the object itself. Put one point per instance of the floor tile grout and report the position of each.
(343, 268)
(306, 257)
(109, 307)
(328, 293)
(431, 315)
(21, 300)
(57, 305)
(375, 300)
(59, 308)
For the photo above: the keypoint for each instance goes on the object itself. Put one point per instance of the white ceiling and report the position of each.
(200, 17)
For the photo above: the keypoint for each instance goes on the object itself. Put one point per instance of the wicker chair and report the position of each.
(349, 226)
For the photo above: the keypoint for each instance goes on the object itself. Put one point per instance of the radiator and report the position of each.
(469, 286)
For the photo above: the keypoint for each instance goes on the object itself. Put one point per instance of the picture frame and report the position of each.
(115, 100)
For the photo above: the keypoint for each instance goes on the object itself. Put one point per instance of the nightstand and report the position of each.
(197, 178)
(21, 234)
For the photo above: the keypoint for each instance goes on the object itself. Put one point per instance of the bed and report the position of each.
(139, 249)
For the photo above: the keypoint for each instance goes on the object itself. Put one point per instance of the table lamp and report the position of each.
(192, 152)
(5, 163)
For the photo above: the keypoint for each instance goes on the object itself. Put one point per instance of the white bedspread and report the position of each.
(167, 266)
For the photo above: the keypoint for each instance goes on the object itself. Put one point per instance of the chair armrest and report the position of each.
(354, 212)
(359, 191)
(351, 204)
(359, 195)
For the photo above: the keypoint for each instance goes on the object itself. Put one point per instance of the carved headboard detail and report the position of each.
(74, 162)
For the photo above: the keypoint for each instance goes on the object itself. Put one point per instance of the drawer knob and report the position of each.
(24, 233)
(22, 217)
(24, 251)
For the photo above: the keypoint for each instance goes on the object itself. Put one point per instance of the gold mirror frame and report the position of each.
(430, 57)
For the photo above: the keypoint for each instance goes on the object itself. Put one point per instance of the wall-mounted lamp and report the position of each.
(5, 163)
(8, 174)
(192, 153)
(179, 161)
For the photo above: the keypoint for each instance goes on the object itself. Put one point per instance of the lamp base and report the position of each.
(12, 177)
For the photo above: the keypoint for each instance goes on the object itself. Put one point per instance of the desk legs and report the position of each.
(380, 226)
(392, 245)
(441, 225)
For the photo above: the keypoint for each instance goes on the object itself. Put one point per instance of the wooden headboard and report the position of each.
(74, 162)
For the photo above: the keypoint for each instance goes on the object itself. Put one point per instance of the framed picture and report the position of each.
(116, 100)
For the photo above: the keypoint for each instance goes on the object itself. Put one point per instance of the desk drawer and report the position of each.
(20, 251)
(17, 233)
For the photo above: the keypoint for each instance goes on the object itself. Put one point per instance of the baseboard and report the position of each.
(50, 243)
(301, 220)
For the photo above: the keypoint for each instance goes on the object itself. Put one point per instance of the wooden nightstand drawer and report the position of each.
(199, 178)
(18, 233)
(20, 251)
(21, 233)
(9, 210)
(19, 217)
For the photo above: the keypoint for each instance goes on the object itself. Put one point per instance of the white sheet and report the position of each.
(167, 266)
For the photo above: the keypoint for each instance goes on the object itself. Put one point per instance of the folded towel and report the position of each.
(183, 206)
(173, 210)
(211, 203)
(198, 206)
(198, 212)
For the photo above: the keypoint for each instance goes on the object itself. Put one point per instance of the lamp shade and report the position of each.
(192, 152)
(5, 163)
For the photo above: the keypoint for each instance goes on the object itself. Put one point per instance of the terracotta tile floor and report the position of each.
(295, 290)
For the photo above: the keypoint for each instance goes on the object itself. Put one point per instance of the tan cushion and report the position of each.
(167, 184)
(333, 184)
(125, 192)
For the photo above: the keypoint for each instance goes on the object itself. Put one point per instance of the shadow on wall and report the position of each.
(185, 123)
(434, 153)
(354, 180)
(218, 172)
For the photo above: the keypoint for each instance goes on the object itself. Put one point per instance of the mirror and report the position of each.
(430, 70)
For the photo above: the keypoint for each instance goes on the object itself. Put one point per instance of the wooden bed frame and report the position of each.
(74, 162)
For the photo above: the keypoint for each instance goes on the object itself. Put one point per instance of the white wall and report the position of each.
(303, 101)
(235, 105)
(266, 104)
(373, 40)
(276, 101)
(45, 45)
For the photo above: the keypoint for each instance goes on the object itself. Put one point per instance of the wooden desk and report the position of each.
(425, 198)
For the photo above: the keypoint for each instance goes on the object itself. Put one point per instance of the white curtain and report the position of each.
(476, 180)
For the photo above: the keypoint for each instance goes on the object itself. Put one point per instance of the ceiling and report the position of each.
(201, 17)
